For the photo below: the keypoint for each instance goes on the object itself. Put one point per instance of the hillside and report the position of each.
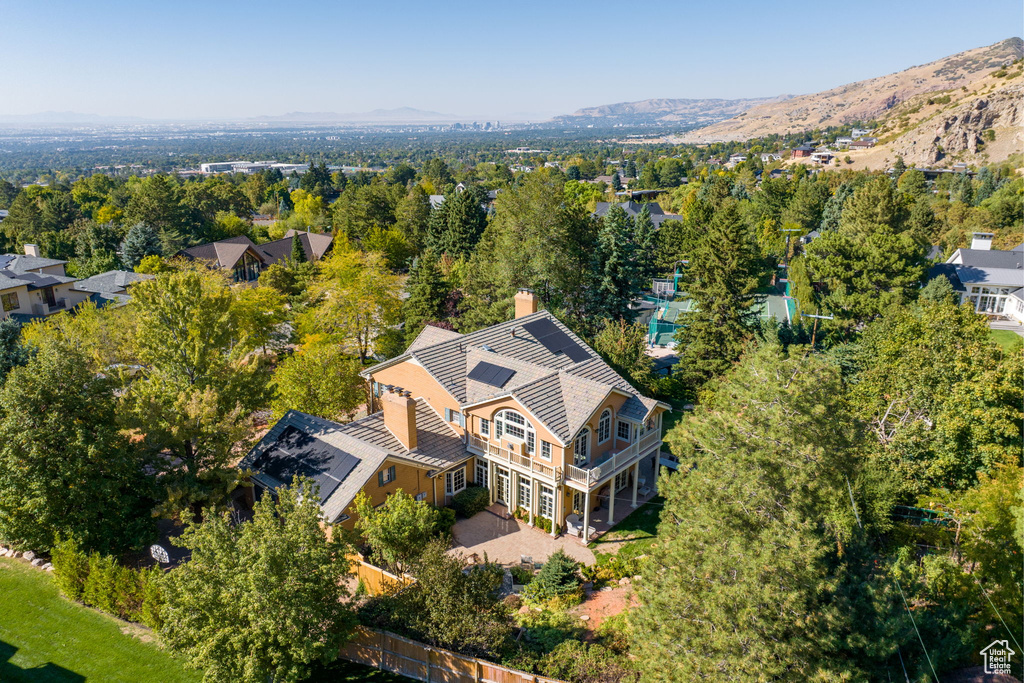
(863, 100)
(664, 112)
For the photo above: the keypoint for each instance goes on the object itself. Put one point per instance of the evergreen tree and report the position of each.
(724, 274)
(986, 184)
(456, 225)
(13, 353)
(617, 277)
(646, 240)
(833, 210)
(298, 251)
(140, 242)
(428, 293)
(873, 260)
(616, 182)
(630, 169)
(899, 167)
(758, 573)
(573, 173)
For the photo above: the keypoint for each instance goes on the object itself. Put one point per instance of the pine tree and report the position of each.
(298, 251)
(646, 240)
(724, 274)
(617, 277)
(631, 169)
(616, 181)
(749, 580)
(140, 242)
(456, 225)
(428, 293)
(833, 210)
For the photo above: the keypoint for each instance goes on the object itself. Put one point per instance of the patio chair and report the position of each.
(572, 525)
(526, 561)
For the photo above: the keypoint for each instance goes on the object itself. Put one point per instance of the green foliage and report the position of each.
(624, 347)
(259, 600)
(617, 278)
(298, 251)
(70, 568)
(428, 294)
(58, 434)
(319, 379)
(581, 662)
(398, 530)
(140, 242)
(558, 576)
(471, 500)
(13, 353)
(457, 224)
(723, 278)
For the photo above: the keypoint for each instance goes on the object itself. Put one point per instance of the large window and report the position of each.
(455, 481)
(481, 474)
(581, 448)
(524, 494)
(604, 426)
(10, 301)
(623, 430)
(512, 425)
(547, 502)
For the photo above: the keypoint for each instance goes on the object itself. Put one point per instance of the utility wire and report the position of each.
(998, 614)
(905, 604)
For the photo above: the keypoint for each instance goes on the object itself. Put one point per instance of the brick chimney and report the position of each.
(400, 416)
(32, 250)
(526, 302)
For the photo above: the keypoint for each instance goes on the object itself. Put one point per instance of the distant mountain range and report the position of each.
(668, 112)
(400, 115)
(864, 100)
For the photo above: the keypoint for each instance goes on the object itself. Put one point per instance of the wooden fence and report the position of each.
(383, 650)
(376, 580)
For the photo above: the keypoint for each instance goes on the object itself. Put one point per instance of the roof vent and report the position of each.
(485, 347)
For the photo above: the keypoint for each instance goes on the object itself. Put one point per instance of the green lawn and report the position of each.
(44, 637)
(1008, 339)
(639, 531)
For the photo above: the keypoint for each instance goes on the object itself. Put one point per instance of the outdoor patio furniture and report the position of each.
(526, 560)
(644, 491)
(572, 525)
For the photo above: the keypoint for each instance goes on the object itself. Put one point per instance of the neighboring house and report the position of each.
(246, 260)
(632, 209)
(34, 287)
(111, 287)
(859, 132)
(843, 142)
(803, 151)
(737, 158)
(769, 157)
(810, 237)
(523, 408)
(990, 279)
(822, 157)
(862, 144)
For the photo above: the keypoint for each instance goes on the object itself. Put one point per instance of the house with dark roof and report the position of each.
(991, 280)
(632, 209)
(111, 287)
(523, 408)
(804, 150)
(246, 259)
(33, 287)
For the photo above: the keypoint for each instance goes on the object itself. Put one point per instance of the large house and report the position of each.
(523, 408)
(991, 280)
(632, 209)
(246, 259)
(34, 287)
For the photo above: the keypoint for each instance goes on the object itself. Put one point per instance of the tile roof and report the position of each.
(559, 392)
(432, 335)
(20, 263)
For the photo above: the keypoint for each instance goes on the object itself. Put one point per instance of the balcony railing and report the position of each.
(517, 459)
(46, 309)
(611, 462)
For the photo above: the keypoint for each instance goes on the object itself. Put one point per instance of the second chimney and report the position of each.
(32, 250)
(526, 302)
(400, 417)
(982, 241)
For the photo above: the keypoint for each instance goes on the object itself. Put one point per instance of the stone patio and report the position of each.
(505, 541)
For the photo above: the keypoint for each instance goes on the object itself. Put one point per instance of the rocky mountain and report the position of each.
(864, 100)
(658, 112)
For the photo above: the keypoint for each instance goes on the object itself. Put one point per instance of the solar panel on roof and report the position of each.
(556, 341)
(489, 373)
(296, 453)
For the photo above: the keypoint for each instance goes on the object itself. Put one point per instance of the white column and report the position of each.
(555, 516)
(533, 501)
(491, 483)
(586, 518)
(636, 477)
(611, 501)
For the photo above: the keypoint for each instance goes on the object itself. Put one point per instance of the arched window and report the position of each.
(510, 424)
(604, 426)
(581, 448)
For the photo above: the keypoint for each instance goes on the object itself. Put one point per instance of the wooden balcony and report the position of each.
(482, 446)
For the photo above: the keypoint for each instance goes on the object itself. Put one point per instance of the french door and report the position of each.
(502, 485)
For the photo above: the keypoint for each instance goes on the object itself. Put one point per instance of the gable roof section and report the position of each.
(431, 335)
(20, 263)
(112, 281)
(560, 392)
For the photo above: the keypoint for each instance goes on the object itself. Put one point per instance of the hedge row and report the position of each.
(99, 581)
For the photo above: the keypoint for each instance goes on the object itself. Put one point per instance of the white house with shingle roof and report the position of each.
(991, 280)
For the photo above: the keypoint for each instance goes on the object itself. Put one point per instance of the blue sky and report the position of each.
(510, 59)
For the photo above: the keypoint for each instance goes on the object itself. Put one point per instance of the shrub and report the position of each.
(578, 662)
(99, 586)
(521, 575)
(558, 576)
(152, 598)
(445, 521)
(70, 568)
(471, 500)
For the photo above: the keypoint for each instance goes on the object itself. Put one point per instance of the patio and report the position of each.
(599, 522)
(506, 541)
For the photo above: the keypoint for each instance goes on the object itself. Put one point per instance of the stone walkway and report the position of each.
(505, 541)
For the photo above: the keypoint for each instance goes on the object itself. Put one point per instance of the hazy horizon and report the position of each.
(232, 61)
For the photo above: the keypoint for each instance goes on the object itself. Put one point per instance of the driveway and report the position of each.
(505, 541)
